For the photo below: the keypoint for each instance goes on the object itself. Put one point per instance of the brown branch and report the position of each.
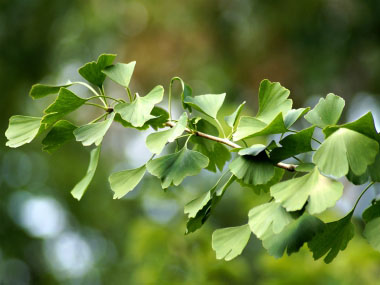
(289, 167)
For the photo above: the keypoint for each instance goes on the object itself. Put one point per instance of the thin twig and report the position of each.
(289, 167)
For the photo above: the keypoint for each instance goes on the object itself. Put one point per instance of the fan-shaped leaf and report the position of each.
(93, 132)
(92, 71)
(346, 149)
(293, 115)
(232, 119)
(157, 141)
(120, 73)
(321, 192)
(41, 90)
(138, 112)
(61, 133)
(22, 130)
(326, 112)
(334, 237)
(230, 242)
(173, 168)
(268, 216)
(123, 182)
(208, 104)
(82, 185)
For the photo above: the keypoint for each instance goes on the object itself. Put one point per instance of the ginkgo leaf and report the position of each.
(138, 112)
(273, 100)
(41, 90)
(92, 71)
(208, 104)
(327, 111)
(82, 185)
(173, 168)
(123, 182)
(230, 242)
(232, 119)
(252, 127)
(157, 141)
(320, 192)
(200, 209)
(371, 216)
(268, 216)
(293, 236)
(253, 170)
(357, 179)
(120, 73)
(293, 115)
(264, 188)
(93, 132)
(293, 144)
(343, 150)
(61, 133)
(65, 103)
(217, 153)
(334, 237)
(22, 130)
(374, 169)
(186, 92)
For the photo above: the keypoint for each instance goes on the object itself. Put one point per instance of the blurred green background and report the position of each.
(46, 237)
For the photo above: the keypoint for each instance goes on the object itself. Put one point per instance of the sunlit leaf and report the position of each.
(41, 90)
(92, 71)
(327, 111)
(230, 242)
(123, 182)
(120, 73)
(293, 115)
(319, 191)
(65, 103)
(232, 119)
(343, 150)
(334, 238)
(22, 130)
(82, 185)
(93, 132)
(252, 127)
(293, 144)
(157, 141)
(268, 216)
(293, 236)
(173, 168)
(61, 133)
(208, 104)
(139, 111)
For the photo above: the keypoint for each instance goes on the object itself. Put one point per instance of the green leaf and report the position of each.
(61, 133)
(138, 112)
(293, 236)
(357, 180)
(93, 132)
(268, 216)
(372, 212)
(343, 150)
(273, 99)
(82, 185)
(320, 192)
(374, 169)
(252, 127)
(41, 90)
(332, 239)
(293, 145)
(252, 170)
(173, 168)
(371, 216)
(305, 167)
(264, 188)
(327, 111)
(232, 119)
(92, 71)
(120, 73)
(123, 182)
(254, 150)
(208, 104)
(22, 130)
(230, 242)
(186, 92)
(293, 115)
(200, 208)
(217, 153)
(157, 141)
(65, 103)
